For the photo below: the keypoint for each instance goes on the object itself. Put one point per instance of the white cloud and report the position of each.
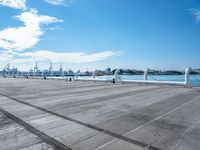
(67, 57)
(196, 13)
(27, 36)
(59, 2)
(17, 39)
(16, 4)
(25, 60)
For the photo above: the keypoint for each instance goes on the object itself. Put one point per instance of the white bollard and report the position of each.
(34, 74)
(116, 74)
(146, 74)
(77, 74)
(94, 74)
(187, 77)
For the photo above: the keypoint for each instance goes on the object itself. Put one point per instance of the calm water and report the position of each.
(194, 78)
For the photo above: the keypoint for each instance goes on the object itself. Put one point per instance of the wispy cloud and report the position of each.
(59, 2)
(27, 36)
(196, 13)
(25, 60)
(16, 4)
(68, 57)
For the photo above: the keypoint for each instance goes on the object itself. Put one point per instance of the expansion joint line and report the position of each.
(118, 136)
(44, 137)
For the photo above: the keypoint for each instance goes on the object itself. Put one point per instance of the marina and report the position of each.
(56, 114)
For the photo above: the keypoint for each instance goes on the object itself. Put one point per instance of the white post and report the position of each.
(77, 74)
(51, 69)
(34, 73)
(146, 74)
(116, 74)
(94, 74)
(35, 69)
(187, 77)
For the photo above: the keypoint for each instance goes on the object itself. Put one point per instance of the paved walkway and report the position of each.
(47, 115)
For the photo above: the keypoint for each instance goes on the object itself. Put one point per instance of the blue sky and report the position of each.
(89, 34)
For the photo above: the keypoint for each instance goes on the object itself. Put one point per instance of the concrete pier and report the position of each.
(40, 114)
